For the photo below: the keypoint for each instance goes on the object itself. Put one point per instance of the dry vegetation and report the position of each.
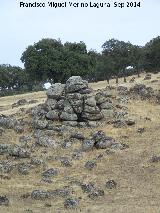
(138, 179)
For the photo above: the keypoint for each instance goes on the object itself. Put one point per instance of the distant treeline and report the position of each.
(51, 61)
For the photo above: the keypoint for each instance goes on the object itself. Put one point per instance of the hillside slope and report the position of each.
(133, 168)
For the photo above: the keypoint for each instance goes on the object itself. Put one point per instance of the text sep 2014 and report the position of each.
(82, 4)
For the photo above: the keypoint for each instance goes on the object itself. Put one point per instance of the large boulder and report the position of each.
(55, 91)
(75, 84)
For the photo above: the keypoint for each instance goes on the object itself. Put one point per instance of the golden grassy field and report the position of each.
(138, 179)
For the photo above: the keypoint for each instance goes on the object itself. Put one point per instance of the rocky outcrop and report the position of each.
(73, 103)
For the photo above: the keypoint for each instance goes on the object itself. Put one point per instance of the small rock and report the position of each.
(78, 136)
(111, 184)
(95, 194)
(19, 152)
(66, 162)
(40, 195)
(46, 142)
(71, 203)
(87, 145)
(4, 201)
(23, 168)
(50, 173)
(155, 159)
(90, 165)
(87, 188)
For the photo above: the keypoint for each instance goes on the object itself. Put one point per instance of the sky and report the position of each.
(21, 27)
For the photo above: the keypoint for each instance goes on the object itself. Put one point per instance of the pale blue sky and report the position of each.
(22, 27)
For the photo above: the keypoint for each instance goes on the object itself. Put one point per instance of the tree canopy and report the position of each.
(50, 60)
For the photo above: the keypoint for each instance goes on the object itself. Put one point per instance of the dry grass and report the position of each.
(138, 180)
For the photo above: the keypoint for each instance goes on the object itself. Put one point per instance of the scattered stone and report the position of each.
(111, 184)
(23, 168)
(40, 195)
(76, 155)
(155, 159)
(50, 173)
(4, 201)
(66, 144)
(71, 203)
(5, 148)
(25, 139)
(62, 192)
(101, 140)
(36, 161)
(6, 166)
(87, 188)
(19, 152)
(141, 130)
(8, 122)
(78, 136)
(122, 90)
(119, 146)
(46, 142)
(130, 122)
(87, 145)
(96, 193)
(90, 165)
(66, 162)
(20, 102)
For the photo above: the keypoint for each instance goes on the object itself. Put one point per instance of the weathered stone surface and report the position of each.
(101, 140)
(91, 101)
(75, 84)
(111, 184)
(107, 105)
(53, 115)
(66, 162)
(70, 123)
(51, 103)
(100, 97)
(4, 201)
(24, 168)
(4, 148)
(90, 165)
(19, 152)
(71, 203)
(40, 124)
(50, 173)
(46, 142)
(55, 91)
(91, 116)
(62, 192)
(40, 195)
(6, 166)
(87, 145)
(87, 188)
(78, 135)
(8, 122)
(96, 194)
(122, 90)
(68, 116)
(20, 102)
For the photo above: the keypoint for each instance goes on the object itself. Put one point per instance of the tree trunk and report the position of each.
(108, 80)
(125, 80)
(116, 79)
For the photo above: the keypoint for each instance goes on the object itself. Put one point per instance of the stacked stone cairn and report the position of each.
(75, 104)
